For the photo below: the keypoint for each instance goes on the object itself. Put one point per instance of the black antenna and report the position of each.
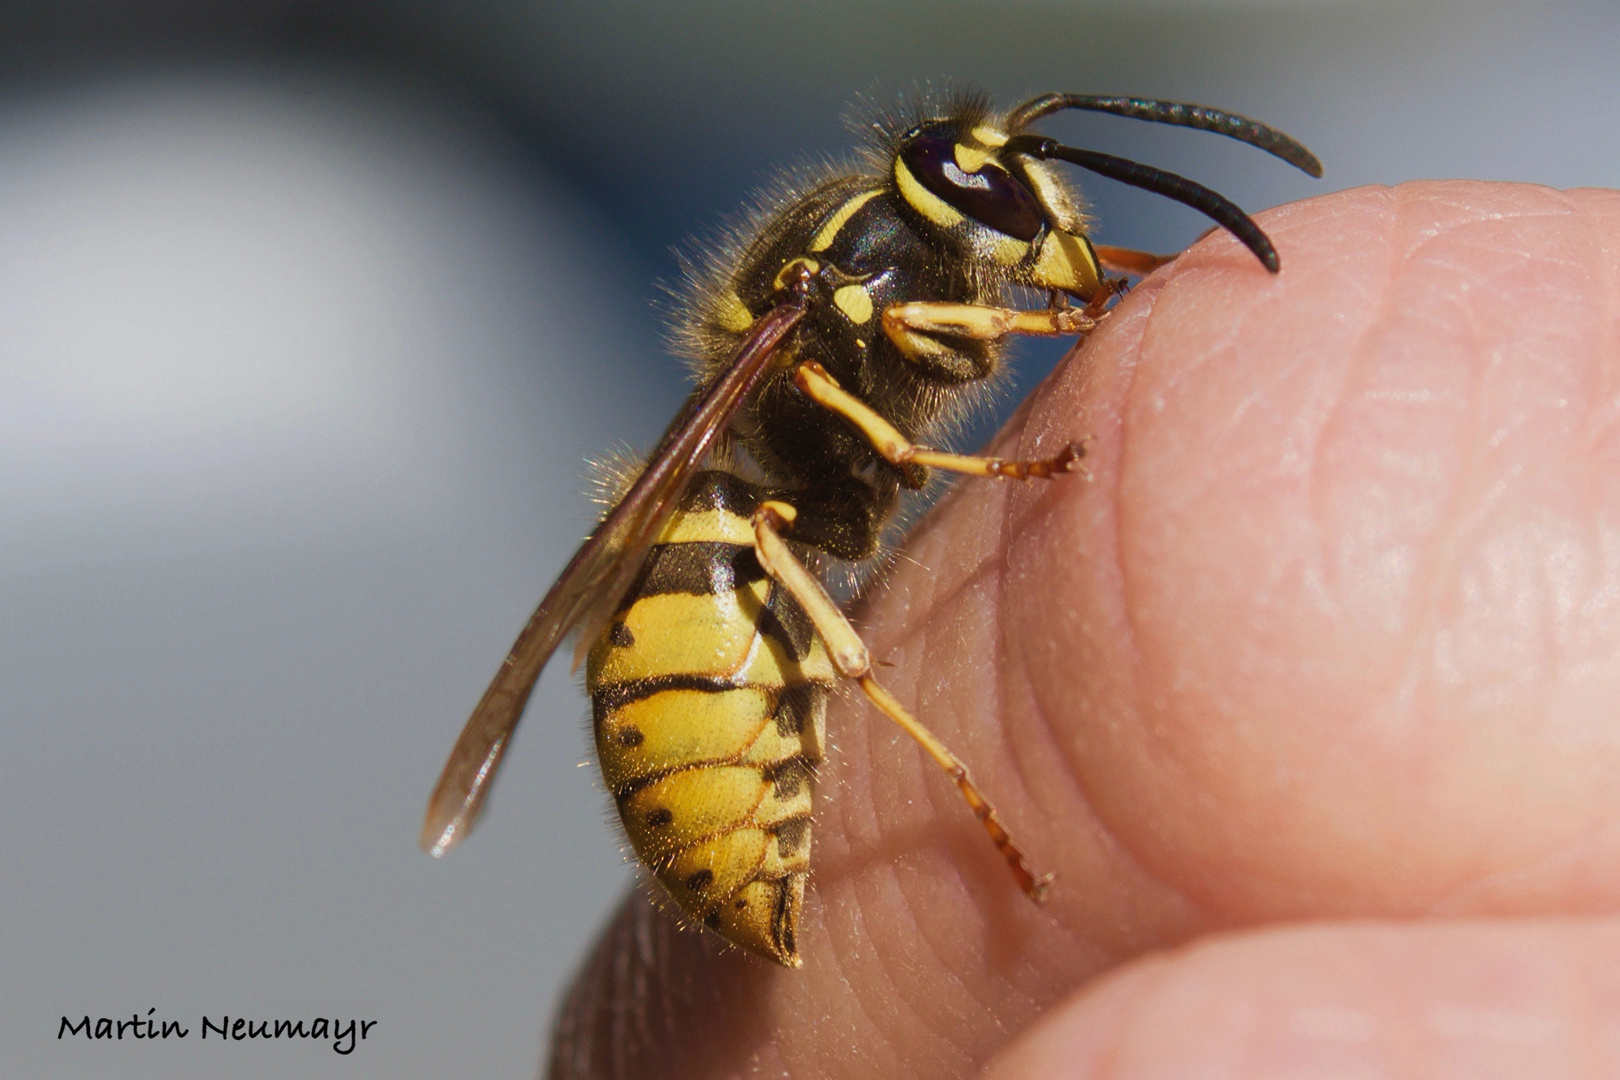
(1222, 210)
(1233, 126)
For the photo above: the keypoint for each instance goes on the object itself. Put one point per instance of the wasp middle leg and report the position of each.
(851, 659)
(899, 451)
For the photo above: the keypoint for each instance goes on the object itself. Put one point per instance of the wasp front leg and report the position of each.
(851, 659)
(947, 340)
(899, 451)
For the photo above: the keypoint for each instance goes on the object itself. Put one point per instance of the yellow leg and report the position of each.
(852, 660)
(924, 331)
(980, 322)
(897, 450)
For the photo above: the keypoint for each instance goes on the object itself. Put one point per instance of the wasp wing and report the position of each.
(597, 577)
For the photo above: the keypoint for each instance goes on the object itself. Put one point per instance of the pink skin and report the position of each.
(1332, 635)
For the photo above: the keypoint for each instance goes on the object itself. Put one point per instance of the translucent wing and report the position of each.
(598, 576)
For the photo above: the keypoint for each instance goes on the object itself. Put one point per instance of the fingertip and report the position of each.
(1078, 1038)
(1498, 998)
(1325, 502)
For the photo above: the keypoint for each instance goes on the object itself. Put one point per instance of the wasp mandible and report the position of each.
(836, 335)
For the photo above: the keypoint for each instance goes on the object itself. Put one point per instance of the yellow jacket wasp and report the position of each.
(835, 335)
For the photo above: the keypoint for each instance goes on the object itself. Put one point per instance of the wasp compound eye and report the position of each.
(989, 195)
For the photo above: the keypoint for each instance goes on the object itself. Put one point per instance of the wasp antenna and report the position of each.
(1212, 204)
(1253, 132)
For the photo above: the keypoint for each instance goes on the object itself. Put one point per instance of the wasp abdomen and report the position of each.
(709, 691)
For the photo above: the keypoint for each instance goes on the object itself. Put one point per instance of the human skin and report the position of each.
(1310, 698)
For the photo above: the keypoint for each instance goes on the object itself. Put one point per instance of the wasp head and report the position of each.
(1005, 208)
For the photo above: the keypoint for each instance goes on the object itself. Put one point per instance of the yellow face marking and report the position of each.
(971, 158)
(990, 136)
(855, 302)
(1050, 192)
(922, 200)
(1010, 251)
(1065, 263)
(840, 218)
(715, 526)
(731, 314)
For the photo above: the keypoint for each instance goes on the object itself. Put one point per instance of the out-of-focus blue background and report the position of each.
(310, 313)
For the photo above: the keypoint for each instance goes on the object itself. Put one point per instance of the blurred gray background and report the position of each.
(310, 313)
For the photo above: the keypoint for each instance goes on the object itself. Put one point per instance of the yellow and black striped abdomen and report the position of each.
(709, 693)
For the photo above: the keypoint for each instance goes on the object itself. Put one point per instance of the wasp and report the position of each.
(835, 335)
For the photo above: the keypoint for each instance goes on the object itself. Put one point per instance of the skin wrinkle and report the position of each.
(894, 993)
(1436, 552)
(900, 999)
(1598, 270)
(1115, 849)
(1154, 972)
(886, 992)
(1032, 711)
(1118, 847)
(1598, 837)
(1487, 502)
(1130, 598)
(1441, 570)
(855, 851)
(1336, 399)
(1497, 494)
(1175, 281)
(944, 813)
(1016, 788)
(1595, 227)
(988, 572)
(1595, 432)
(1128, 360)
(1555, 659)
(1131, 362)
(1013, 525)
(1035, 717)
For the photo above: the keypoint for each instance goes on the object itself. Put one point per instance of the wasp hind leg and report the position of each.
(899, 451)
(851, 659)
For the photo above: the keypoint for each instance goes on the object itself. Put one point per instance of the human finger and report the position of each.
(1507, 998)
